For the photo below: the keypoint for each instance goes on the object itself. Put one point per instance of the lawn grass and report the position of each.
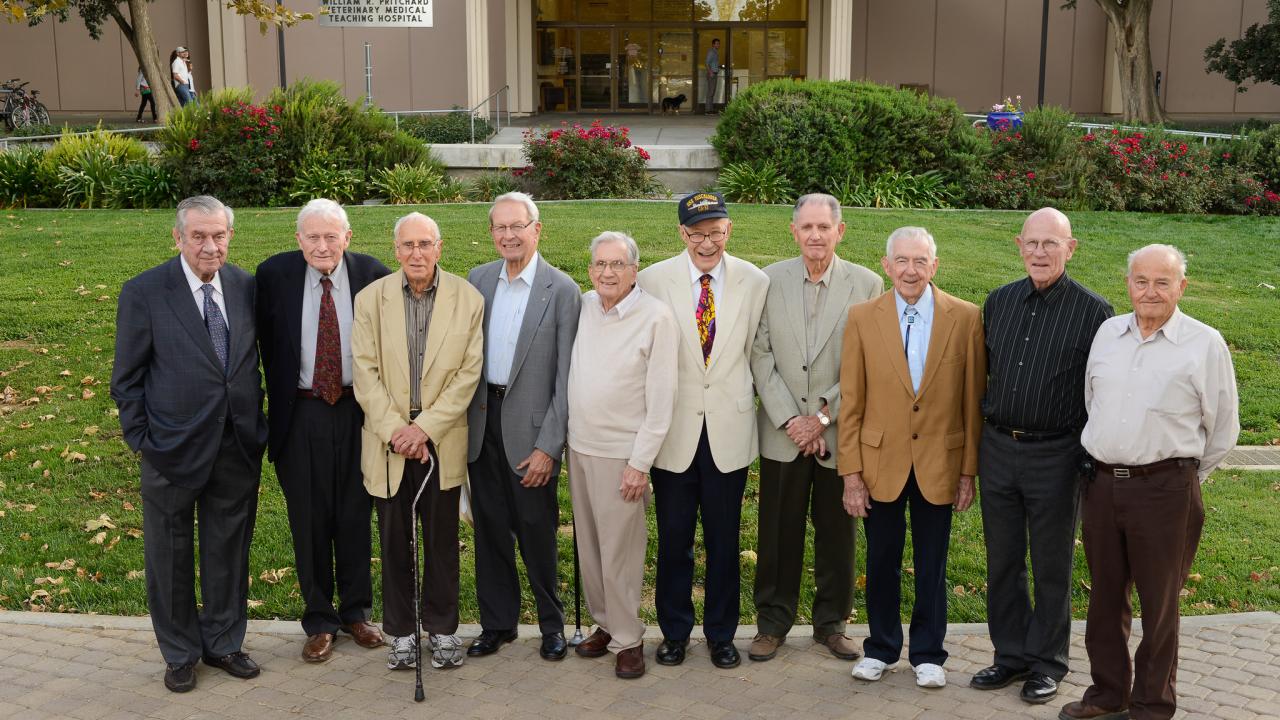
(61, 271)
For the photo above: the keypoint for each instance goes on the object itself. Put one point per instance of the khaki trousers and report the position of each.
(611, 535)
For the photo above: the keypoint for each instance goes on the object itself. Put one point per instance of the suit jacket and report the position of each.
(174, 397)
(450, 370)
(718, 392)
(788, 381)
(885, 428)
(535, 410)
(281, 283)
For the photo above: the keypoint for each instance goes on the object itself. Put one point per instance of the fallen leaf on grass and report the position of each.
(102, 521)
(135, 575)
(274, 576)
(88, 380)
(749, 556)
(46, 418)
(254, 604)
(87, 394)
(64, 373)
(958, 590)
(127, 505)
(64, 565)
(133, 533)
(48, 581)
(43, 390)
(99, 538)
(36, 464)
(1195, 577)
(91, 430)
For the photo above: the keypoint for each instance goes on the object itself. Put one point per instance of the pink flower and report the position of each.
(642, 152)
(1031, 176)
(269, 143)
(1164, 176)
(194, 144)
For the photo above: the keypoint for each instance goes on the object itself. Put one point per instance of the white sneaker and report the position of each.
(446, 651)
(403, 655)
(871, 669)
(929, 675)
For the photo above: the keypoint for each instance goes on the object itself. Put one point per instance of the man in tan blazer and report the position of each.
(796, 364)
(417, 354)
(914, 370)
(701, 469)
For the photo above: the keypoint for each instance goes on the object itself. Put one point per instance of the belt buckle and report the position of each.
(1121, 472)
(1017, 434)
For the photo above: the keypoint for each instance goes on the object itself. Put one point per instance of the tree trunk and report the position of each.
(156, 71)
(1131, 25)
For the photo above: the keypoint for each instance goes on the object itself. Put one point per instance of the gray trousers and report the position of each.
(1030, 497)
(226, 507)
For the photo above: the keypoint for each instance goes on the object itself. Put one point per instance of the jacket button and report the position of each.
(915, 408)
(221, 418)
(804, 368)
(915, 436)
(483, 406)
(706, 386)
(699, 412)
(804, 399)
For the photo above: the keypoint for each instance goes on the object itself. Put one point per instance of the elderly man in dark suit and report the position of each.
(305, 300)
(190, 397)
(518, 422)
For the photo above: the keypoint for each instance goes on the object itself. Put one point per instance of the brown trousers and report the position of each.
(1138, 531)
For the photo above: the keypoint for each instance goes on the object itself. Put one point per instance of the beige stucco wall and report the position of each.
(977, 51)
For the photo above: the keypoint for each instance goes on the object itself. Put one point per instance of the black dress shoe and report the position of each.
(553, 646)
(180, 678)
(488, 642)
(1039, 688)
(237, 664)
(671, 652)
(996, 677)
(723, 654)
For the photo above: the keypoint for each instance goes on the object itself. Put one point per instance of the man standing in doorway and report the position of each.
(713, 71)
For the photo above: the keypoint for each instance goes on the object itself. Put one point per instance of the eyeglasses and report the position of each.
(514, 228)
(700, 237)
(614, 265)
(1047, 245)
(425, 246)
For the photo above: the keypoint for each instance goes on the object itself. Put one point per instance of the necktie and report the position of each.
(326, 380)
(216, 325)
(706, 317)
(914, 366)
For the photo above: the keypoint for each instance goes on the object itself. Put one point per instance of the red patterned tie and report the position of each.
(326, 380)
(706, 319)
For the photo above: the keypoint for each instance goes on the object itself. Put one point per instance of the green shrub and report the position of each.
(23, 179)
(228, 147)
(144, 185)
(447, 128)
(414, 184)
(1259, 153)
(489, 185)
(33, 131)
(1147, 171)
(893, 189)
(69, 150)
(1037, 165)
(327, 180)
(573, 162)
(763, 183)
(817, 130)
(86, 180)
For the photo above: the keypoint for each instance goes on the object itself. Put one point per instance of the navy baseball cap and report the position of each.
(702, 206)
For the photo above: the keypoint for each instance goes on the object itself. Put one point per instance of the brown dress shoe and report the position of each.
(596, 645)
(319, 648)
(764, 646)
(841, 645)
(365, 633)
(1081, 711)
(630, 664)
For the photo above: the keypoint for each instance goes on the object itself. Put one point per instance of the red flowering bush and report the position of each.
(230, 149)
(1151, 171)
(576, 162)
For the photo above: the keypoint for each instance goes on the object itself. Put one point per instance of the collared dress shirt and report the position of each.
(1037, 347)
(312, 292)
(1169, 395)
(417, 321)
(195, 283)
(509, 302)
(815, 299)
(695, 279)
(917, 346)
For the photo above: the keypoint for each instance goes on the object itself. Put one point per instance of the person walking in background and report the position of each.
(143, 89)
(180, 72)
(713, 73)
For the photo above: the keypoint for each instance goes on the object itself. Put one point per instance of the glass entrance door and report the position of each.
(634, 68)
(596, 69)
(674, 70)
(747, 62)
(711, 56)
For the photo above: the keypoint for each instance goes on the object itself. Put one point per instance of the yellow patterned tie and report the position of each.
(706, 317)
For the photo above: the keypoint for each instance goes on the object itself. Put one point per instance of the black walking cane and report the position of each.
(577, 581)
(418, 694)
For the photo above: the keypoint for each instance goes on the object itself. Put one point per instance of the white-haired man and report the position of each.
(1163, 412)
(305, 309)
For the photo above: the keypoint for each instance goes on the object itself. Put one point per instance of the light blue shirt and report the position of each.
(509, 302)
(917, 346)
(312, 294)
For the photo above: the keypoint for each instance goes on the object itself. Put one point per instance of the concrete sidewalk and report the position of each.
(100, 668)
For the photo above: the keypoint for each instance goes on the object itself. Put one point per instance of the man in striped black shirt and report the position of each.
(1038, 333)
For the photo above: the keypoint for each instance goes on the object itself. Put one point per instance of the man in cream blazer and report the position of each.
(417, 354)
(796, 364)
(913, 371)
(702, 466)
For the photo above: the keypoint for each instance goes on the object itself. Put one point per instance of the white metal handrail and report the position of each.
(500, 98)
(4, 141)
(1204, 137)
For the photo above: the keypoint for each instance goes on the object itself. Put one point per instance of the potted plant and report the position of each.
(1006, 116)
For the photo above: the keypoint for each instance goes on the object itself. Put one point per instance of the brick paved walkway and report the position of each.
(100, 668)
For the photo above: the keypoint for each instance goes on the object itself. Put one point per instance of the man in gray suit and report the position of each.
(518, 421)
(796, 365)
(190, 397)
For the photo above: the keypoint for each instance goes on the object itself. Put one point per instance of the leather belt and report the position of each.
(498, 390)
(1031, 435)
(309, 393)
(1131, 471)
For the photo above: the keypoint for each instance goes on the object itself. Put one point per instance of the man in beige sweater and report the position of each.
(622, 393)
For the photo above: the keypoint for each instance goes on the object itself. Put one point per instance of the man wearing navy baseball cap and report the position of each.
(701, 469)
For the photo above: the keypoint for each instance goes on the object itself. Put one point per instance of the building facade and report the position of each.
(602, 56)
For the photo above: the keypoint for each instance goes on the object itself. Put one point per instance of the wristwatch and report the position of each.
(823, 418)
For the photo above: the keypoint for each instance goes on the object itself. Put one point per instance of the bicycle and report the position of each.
(22, 109)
